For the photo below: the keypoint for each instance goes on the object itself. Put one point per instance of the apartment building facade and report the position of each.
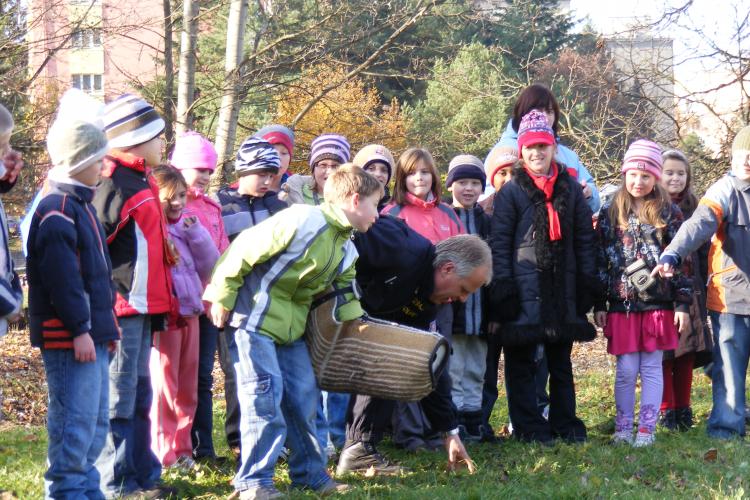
(103, 47)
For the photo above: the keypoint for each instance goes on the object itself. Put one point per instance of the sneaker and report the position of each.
(333, 488)
(463, 433)
(668, 419)
(363, 457)
(184, 464)
(260, 493)
(644, 438)
(683, 419)
(161, 492)
(624, 436)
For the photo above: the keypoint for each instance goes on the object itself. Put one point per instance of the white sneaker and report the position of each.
(643, 439)
(622, 437)
(184, 464)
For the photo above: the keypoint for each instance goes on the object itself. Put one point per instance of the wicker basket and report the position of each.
(373, 357)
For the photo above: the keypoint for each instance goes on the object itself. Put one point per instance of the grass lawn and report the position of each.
(677, 466)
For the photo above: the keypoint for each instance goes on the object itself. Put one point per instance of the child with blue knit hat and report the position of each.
(466, 180)
(327, 152)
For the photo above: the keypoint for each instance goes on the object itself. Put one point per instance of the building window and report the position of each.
(86, 38)
(87, 83)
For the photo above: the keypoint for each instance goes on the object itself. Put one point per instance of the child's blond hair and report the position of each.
(349, 179)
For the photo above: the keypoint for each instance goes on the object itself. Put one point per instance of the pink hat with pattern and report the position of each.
(643, 155)
(192, 150)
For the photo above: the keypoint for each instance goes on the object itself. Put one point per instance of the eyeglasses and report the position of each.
(327, 166)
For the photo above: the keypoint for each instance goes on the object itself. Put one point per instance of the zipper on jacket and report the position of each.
(322, 271)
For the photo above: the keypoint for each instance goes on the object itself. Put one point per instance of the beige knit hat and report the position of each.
(375, 152)
(73, 146)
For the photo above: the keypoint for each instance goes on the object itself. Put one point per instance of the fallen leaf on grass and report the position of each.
(461, 465)
(31, 438)
(711, 455)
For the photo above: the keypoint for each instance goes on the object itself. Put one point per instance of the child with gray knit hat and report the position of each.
(70, 313)
(127, 201)
(327, 152)
(466, 180)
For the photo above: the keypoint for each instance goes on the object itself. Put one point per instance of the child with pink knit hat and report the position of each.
(195, 157)
(644, 313)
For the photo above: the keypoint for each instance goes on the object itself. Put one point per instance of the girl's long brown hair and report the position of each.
(407, 165)
(654, 205)
(686, 200)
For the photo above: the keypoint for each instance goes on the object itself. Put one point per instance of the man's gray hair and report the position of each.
(467, 252)
(6, 120)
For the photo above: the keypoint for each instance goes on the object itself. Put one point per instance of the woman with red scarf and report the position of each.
(545, 281)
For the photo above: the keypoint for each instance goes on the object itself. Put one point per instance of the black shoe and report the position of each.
(683, 418)
(362, 457)
(156, 493)
(668, 419)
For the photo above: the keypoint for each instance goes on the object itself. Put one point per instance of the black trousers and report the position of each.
(489, 391)
(367, 418)
(520, 379)
(232, 422)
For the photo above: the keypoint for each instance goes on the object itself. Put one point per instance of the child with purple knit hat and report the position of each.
(327, 152)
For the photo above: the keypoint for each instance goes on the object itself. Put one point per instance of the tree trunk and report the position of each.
(228, 112)
(168, 73)
(186, 81)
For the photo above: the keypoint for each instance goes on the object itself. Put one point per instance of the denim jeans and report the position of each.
(330, 419)
(127, 462)
(278, 394)
(203, 423)
(730, 359)
(77, 422)
(225, 341)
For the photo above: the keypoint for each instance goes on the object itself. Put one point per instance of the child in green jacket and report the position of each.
(264, 285)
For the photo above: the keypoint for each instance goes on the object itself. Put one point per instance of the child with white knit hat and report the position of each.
(70, 313)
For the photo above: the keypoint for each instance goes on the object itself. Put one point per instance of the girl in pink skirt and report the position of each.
(644, 314)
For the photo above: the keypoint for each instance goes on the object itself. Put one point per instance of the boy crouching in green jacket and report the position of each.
(264, 284)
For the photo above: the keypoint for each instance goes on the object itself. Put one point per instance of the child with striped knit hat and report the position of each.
(327, 153)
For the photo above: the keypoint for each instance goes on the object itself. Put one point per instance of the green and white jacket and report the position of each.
(271, 272)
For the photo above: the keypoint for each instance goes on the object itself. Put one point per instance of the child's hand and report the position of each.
(682, 322)
(189, 221)
(663, 270)
(112, 346)
(83, 347)
(13, 164)
(587, 193)
(600, 318)
(219, 315)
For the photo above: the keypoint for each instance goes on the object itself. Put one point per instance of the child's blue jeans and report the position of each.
(278, 395)
(77, 422)
(730, 360)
